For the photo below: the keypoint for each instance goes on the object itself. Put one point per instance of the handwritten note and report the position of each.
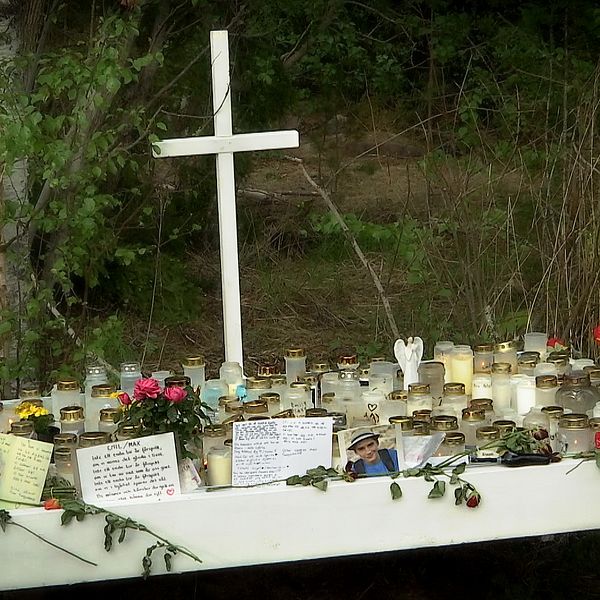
(23, 468)
(269, 450)
(138, 469)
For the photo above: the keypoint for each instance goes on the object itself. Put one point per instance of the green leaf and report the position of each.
(459, 469)
(122, 535)
(320, 484)
(396, 491)
(438, 490)
(4, 519)
(293, 480)
(459, 495)
(67, 517)
(168, 561)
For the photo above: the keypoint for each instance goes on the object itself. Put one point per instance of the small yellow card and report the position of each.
(23, 468)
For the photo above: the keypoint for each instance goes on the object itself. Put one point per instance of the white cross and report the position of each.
(224, 143)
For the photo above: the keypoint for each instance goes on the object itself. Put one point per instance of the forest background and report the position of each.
(457, 139)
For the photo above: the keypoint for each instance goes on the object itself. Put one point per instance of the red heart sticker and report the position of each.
(170, 491)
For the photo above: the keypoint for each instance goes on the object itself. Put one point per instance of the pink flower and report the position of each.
(146, 388)
(175, 394)
(124, 398)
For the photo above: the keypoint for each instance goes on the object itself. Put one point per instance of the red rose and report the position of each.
(175, 394)
(554, 341)
(473, 500)
(540, 434)
(124, 398)
(52, 504)
(596, 332)
(597, 440)
(146, 388)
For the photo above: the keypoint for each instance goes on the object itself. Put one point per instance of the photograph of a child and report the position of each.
(371, 451)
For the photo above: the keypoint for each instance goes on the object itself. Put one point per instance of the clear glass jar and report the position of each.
(575, 434)
(404, 423)
(101, 396)
(394, 405)
(94, 375)
(232, 375)
(348, 387)
(106, 422)
(454, 400)
(67, 393)
(22, 429)
(544, 368)
(63, 461)
(65, 439)
(487, 406)
(295, 364)
(381, 382)
(537, 419)
(71, 420)
(372, 401)
(485, 436)
(535, 341)
(194, 367)
(546, 387)
(273, 401)
(579, 364)
(526, 393)
(213, 390)
(561, 362)
(577, 394)
(506, 352)
(454, 443)
(471, 420)
(501, 390)
(160, 376)
(218, 466)
(481, 386)
(526, 363)
(329, 402)
(313, 383)
(433, 373)
(256, 407)
(461, 365)
(504, 426)
(554, 415)
(279, 384)
(130, 373)
(441, 353)
(297, 398)
(255, 386)
(419, 398)
(213, 436)
(444, 423)
(329, 382)
(483, 358)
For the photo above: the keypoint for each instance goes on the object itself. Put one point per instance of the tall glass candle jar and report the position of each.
(386, 369)
(433, 373)
(471, 420)
(506, 352)
(536, 419)
(63, 460)
(419, 398)
(536, 341)
(94, 375)
(405, 424)
(295, 364)
(501, 390)
(213, 436)
(481, 386)
(393, 406)
(560, 360)
(483, 358)
(487, 406)
(381, 382)
(329, 382)
(67, 393)
(313, 383)
(372, 400)
(106, 422)
(554, 415)
(130, 373)
(579, 364)
(454, 399)
(444, 423)
(273, 401)
(544, 368)
(160, 376)
(297, 398)
(546, 387)
(525, 395)
(577, 394)
(441, 353)
(194, 367)
(218, 466)
(279, 384)
(454, 443)
(575, 434)
(212, 391)
(526, 363)
(101, 396)
(255, 386)
(484, 437)
(461, 365)
(232, 375)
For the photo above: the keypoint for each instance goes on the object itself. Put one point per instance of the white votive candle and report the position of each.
(461, 366)
(219, 466)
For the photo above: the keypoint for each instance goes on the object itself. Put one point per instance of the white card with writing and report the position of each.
(273, 449)
(138, 469)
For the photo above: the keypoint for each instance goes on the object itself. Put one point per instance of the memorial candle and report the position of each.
(219, 466)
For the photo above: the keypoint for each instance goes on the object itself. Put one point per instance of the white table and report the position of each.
(275, 524)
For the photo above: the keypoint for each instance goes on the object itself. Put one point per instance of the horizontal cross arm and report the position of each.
(241, 142)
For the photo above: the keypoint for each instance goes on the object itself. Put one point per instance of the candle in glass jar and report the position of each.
(441, 353)
(219, 466)
(483, 358)
(461, 366)
(535, 341)
(481, 386)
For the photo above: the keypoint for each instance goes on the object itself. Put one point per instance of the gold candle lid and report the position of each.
(528, 356)
(300, 385)
(180, 381)
(406, 423)
(470, 414)
(295, 353)
(107, 415)
(398, 395)
(215, 430)
(574, 421)
(320, 367)
(284, 414)
(422, 414)
(21, 427)
(505, 346)
(504, 425)
(444, 423)
(270, 397)
(553, 411)
(258, 383)
(259, 418)
(193, 361)
(560, 359)
(316, 412)
(62, 454)
(255, 407)
(420, 427)
(29, 393)
(594, 423)
(483, 347)
(71, 413)
(454, 388)
(546, 382)
(65, 439)
(234, 406)
(501, 367)
(482, 404)
(102, 390)
(328, 398)
(93, 438)
(310, 380)
(126, 432)
(454, 438)
(278, 380)
(346, 360)
(267, 370)
(224, 400)
(229, 421)
(419, 389)
(487, 433)
(68, 385)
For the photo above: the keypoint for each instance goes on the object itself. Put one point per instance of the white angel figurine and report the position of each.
(409, 356)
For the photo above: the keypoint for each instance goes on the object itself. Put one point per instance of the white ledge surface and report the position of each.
(230, 528)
